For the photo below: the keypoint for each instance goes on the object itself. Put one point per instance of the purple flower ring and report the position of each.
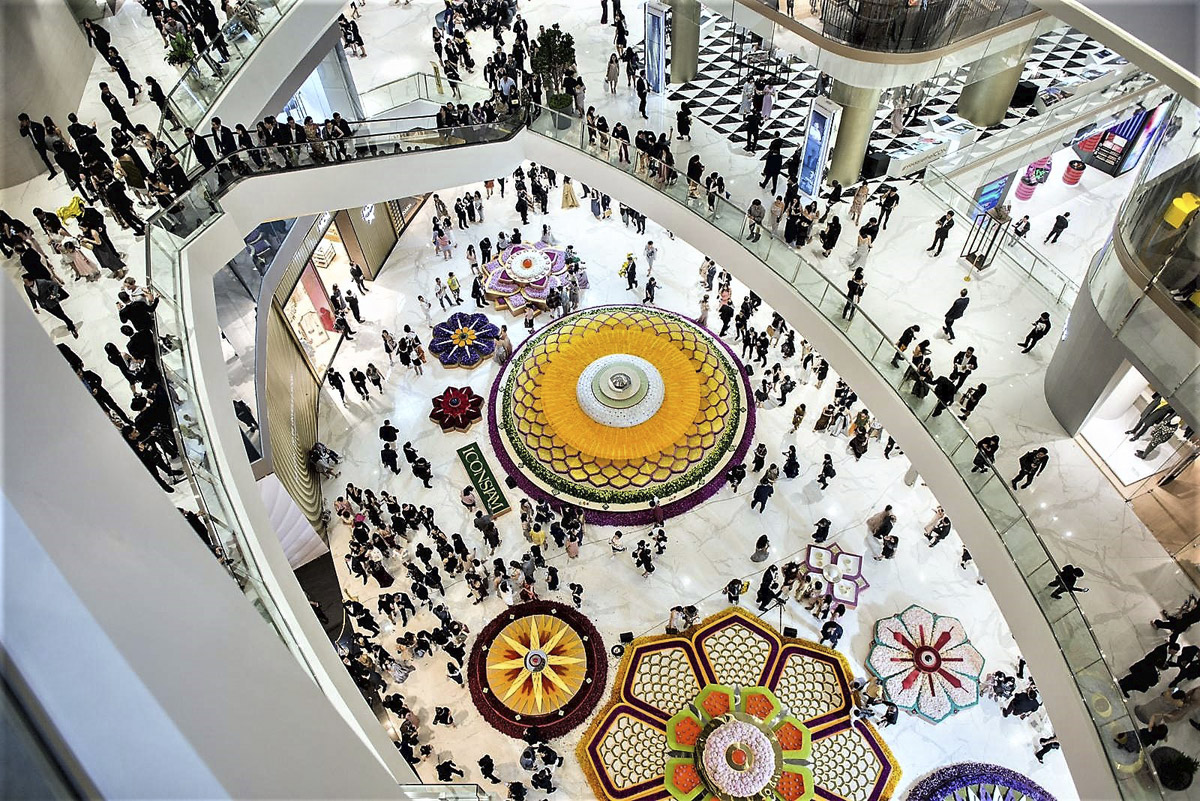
(967, 780)
(464, 340)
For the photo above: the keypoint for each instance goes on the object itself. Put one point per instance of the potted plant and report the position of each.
(1175, 768)
(555, 55)
(180, 51)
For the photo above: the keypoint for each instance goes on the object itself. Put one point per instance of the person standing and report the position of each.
(944, 224)
(752, 126)
(159, 98)
(1020, 229)
(866, 240)
(1060, 225)
(1032, 464)
(855, 287)
(887, 204)
(956, 311)
(115, 109)
(1041, 327)
(965, 363)
(37, 135)
(642, 87)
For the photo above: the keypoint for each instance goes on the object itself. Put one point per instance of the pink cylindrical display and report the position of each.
(1074, 172)
(1025, 189)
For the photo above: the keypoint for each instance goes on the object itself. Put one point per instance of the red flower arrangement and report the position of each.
(457, 409)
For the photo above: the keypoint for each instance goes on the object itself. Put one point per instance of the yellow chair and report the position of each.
(72, 209)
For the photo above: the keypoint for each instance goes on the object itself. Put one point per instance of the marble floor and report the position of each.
(1084, 519)
(696, 565)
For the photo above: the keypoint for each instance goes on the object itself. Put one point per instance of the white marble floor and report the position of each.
(1082, 517)
(697, 564)
(1086, 521)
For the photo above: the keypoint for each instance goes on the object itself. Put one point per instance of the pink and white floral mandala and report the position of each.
(738, 759)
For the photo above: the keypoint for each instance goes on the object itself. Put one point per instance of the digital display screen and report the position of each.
(655, 60)
(813, 163)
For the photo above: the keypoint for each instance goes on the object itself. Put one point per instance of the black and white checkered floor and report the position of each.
(716, 93)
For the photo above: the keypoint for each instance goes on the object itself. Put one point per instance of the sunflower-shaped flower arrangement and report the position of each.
(464, 340)
(457, 409)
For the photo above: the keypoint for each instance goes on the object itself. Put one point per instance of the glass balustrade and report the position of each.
(205, 75)
(174, 227)
(1094, 678)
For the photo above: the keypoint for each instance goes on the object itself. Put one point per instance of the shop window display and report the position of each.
(310, 313)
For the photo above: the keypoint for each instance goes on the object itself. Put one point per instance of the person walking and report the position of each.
(45, 294)
(1060, 225)
(944, 224)
(1041, 327)
(762, 492)
(1032, 463)
(1066, 581)
(956, 311)
(827, 472)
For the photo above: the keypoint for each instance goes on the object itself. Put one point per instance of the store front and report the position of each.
(363, 236)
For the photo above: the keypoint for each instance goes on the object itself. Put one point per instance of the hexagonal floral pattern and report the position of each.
(548, 443)
(730, 710)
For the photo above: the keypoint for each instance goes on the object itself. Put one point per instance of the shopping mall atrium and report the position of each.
(642, 400)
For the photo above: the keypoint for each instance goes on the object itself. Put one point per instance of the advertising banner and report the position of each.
(487, 488)
(818, 138)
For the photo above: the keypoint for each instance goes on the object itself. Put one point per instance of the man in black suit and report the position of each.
(115, 109)
(37, 135)
(200, 148)
(388, 432)
(226, 144)
(944, 224)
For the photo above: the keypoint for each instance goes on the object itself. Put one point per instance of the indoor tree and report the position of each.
(555, 55)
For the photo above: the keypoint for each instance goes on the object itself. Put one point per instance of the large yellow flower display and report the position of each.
(613, 407)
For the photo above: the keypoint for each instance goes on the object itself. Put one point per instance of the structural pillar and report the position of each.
(990, 85)
(1083, 366)
(685, 39)
(854, 130)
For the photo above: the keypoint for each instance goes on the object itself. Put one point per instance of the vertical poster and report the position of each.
(656, 47)
(818, 136)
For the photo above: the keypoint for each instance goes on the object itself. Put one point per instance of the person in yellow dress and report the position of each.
(569, 201)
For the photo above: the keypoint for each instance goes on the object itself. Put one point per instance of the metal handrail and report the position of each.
(1012, 529)
(761, 250)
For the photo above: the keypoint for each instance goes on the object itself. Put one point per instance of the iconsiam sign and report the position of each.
(523, 275)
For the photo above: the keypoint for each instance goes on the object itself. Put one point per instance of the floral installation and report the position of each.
(925, 663)
(619, 488)
(464, 340)
(840, 571)
(736, 743)
(457, 409)
(669, 724)
(523, 275)
(545, 638)
(976, 780)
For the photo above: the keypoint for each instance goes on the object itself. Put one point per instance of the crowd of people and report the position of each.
(384, 529)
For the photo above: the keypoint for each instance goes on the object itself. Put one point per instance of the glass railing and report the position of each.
(1094, 679)
(176, 226)
(898, 26)
(206, 76)
(1015, 253)
(1072, 114)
